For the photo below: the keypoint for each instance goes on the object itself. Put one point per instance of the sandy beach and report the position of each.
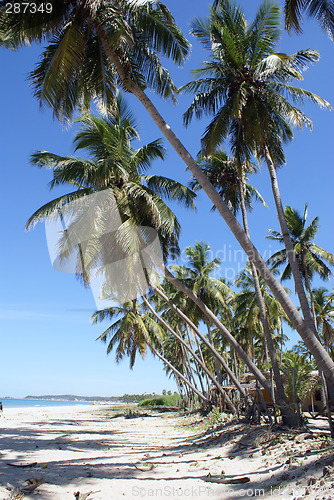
(99, 451)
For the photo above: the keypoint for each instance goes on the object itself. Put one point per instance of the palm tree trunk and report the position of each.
(203, 339)
(179, 374)
(288, 416)
(188, 367)
(194, 355)
(215, 359)
(312, 307)
(197, 364)
(304, 329)
(231, 340)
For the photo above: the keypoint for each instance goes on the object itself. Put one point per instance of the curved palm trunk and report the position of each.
(288, 416)
(187, 367)
(215, 359)
(179, 374)
(304, 329)
(197, 365)
(194, 355)
(203, 339)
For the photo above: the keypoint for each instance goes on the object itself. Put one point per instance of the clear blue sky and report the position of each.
(47, 344)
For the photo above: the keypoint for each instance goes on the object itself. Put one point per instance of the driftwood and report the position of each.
(224, 480)
(33, 464)
(150, 467)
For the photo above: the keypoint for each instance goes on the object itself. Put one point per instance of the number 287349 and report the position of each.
(28, 7)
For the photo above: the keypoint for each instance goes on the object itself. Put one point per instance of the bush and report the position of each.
(214, 416)
(161, 400)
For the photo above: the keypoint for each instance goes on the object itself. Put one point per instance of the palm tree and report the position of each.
(244, 85)
(247, 313)
(128, 332)
(224, 174)
(212, 291)
(115, 165)
(299, 377)
(322, 11)
(89, 40)
(311, 258)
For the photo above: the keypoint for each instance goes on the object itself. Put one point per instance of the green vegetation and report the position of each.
(168, 400)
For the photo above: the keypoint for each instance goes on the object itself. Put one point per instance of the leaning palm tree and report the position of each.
(115, 165)
(244, 85)
(198, 275)
(97, 46)
(131, 332)
(312, 259)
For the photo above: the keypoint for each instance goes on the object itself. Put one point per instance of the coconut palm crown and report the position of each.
(312, 259)
(85, 39)
(246, 83)
(115, 166)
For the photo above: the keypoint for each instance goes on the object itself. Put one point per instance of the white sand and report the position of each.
(85, 449)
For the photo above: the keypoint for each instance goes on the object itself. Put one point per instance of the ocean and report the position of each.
(29, 403)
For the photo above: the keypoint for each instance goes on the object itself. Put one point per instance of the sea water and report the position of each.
(29, 403)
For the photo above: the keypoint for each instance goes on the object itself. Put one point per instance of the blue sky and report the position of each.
(47, 344)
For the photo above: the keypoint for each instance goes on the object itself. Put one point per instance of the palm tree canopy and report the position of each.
(130, 331)
(299, 375)
(311, 258)
(224, 175)
(246, 84)
(324, 310)
(115, 166)
(322, 10)
(75, 65)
